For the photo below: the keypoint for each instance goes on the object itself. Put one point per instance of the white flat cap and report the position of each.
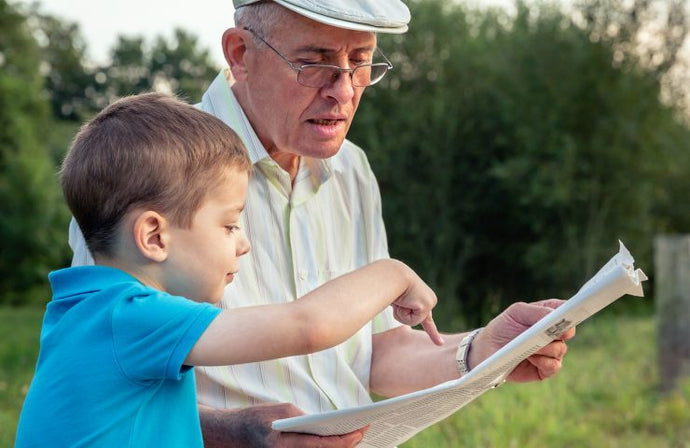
(379, 16)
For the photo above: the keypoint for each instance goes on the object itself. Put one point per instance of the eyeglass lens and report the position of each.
(319, 76)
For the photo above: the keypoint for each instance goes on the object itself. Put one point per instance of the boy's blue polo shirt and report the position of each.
(110, 369)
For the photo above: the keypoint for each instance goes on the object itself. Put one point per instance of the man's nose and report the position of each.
(340, 88)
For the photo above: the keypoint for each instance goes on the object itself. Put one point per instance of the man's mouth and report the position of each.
(323, 122)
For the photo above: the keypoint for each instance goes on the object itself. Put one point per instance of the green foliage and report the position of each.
(512, 150)
(176, 65)
(47, 88)
(78, 88)
(32, 218)
(180, 63)
(627, 25)
(63, 51)
(517, 154)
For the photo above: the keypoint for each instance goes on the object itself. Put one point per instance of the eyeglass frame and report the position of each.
(351, 71)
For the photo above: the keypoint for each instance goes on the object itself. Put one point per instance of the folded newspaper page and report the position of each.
(395, 420)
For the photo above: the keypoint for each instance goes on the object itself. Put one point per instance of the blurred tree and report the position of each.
(78, 87)
(651, 33)
(126, 74)
(44, 69)
(182, 66)
(177, 66)
(68, 81)
(520, 151)
(32, 217)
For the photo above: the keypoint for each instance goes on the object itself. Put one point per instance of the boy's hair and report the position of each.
(149, 150)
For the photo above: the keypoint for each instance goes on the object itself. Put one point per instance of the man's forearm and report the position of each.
(404, 360)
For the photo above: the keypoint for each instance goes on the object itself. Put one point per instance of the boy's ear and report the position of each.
(235, 49)
(151, 235)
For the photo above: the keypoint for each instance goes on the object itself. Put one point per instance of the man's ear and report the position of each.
(151, 235)
(235, 50)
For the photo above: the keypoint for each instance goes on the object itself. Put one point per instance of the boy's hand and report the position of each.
(414, 307)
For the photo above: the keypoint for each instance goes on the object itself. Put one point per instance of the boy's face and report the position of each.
(204, 258)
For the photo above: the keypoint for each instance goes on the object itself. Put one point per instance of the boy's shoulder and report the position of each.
(111, 305)
(111, 288)
(88, 293)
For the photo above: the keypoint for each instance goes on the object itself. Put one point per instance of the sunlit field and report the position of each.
(605, 396)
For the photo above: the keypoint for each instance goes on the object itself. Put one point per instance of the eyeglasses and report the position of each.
(322, 75)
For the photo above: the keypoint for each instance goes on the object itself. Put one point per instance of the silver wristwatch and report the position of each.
(464, 350)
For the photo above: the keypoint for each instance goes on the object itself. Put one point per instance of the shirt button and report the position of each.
(302, 274)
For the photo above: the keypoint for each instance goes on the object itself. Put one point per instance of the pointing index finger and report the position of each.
(430, 327)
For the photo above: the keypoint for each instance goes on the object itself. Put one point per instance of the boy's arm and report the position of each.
(319, 320)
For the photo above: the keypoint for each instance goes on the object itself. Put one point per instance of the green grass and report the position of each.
(19, 336)
(606, 395)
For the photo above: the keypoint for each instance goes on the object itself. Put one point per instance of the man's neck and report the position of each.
(287, 161)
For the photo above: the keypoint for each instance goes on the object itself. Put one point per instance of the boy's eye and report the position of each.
(231, 229)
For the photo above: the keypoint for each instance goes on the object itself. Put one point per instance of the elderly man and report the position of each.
(297, 71)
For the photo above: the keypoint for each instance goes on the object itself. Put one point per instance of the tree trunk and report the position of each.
(672, 292)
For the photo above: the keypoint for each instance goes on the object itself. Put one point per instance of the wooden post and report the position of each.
(672, 294)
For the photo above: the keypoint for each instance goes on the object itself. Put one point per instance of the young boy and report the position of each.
(157, 188)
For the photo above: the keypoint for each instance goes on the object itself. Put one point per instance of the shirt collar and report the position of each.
(79, 280)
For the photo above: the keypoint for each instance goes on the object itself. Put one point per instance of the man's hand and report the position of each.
(251, 427)
(517, 318)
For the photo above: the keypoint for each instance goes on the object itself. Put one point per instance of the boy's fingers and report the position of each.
(430, 327)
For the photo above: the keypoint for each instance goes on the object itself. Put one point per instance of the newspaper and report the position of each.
(395, 420)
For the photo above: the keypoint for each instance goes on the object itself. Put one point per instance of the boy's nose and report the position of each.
(243, 246)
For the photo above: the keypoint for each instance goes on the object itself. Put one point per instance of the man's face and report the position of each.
(293, 119)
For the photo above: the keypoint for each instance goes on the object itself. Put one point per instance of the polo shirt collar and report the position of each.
(79, 280)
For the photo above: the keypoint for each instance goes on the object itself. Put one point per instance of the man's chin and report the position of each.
(324, 151)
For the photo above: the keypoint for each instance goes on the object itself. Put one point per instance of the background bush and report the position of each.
(32, 217)
(513, 151)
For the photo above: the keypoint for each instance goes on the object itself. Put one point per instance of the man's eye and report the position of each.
(231, 229)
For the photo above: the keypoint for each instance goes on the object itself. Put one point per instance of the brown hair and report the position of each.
(148, 150)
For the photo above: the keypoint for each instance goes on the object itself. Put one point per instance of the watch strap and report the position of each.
(464, 350)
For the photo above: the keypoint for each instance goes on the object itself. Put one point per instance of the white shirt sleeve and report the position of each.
(81, 255)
